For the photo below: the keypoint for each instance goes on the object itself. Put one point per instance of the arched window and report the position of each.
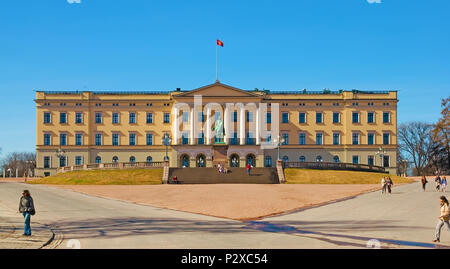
(132, 159)
(251, 160)
(149, 159)
(336, 159)
(302, 159)
(285, 159)
(319, 159)
(115, 159)
(184, 160)
(98, 159)
(201, 160)
(234, 160)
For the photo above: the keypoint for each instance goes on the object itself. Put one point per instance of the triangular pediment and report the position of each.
(218, 90)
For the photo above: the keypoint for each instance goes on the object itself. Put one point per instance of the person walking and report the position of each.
(249, 167)
(443, 219)
(383, 185)
(424, 182)
(26, 207)
(389, 184)
(438, 183)
(443, 183)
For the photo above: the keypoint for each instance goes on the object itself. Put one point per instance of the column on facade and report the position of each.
(258, 125)
(226, 120)
(242, 125)
(208, 126)
(175, 127)
(191, 134)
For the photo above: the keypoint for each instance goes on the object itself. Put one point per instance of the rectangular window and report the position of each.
(149, 117)
(185, 116)
(285, 138)
(62, 161)
(386, 138)
(98, 139)
(78, 117)
(336, 139)
(319, 138)
(386, 117)
(319, 117)
(234, 139)
(149, 139)
(185, 138)
(63, 139)
(385, 161)
(249, 116)
(78, 139)
(47, 162)
(355, 117)
(98, 117)
(355, 139)
(355, 159)
(78, 160)
(285, 117)
(302, 139)
(115, 118)
(267, 161)
(132, 139)
(47, 117)
(250, 139)
(268, 117)
(234, 116)
(201, 138)
(63, 117)
(268, 139)
(132, 117)
(370, 160)
(115, 139)
(335, 117)
(301, 117)
(166, 117)
(47, 139)
(370, 138)
(201, 116)
(370, 118)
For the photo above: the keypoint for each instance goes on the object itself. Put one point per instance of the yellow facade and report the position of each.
(119, 105)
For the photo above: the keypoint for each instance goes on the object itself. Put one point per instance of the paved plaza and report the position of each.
(404, 219)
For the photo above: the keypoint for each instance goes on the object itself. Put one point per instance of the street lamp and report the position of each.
(279, 141)
(381, 152)
(166, 142)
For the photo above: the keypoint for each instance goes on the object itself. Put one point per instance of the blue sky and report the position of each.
(279, 45)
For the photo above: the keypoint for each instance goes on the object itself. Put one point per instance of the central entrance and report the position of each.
(220, 154)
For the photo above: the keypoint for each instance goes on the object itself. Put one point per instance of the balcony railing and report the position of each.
(334, 166)
(99, 166)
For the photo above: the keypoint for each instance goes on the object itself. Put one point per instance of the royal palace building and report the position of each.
(215, 124)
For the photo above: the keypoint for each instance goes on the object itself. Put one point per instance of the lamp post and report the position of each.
(279, 141)
(9, 171)
(381, 152)
(166, 142)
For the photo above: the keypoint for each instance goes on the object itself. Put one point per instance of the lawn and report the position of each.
(105, 177)
(311, 176)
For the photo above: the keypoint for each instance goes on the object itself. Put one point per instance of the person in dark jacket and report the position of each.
(26, 207)
(424, 182)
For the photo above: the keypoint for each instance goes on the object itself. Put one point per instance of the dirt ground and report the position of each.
(231, 201)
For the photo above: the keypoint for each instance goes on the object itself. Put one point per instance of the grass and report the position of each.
(311, 176)
(105, 177)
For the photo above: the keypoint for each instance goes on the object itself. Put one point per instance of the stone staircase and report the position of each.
(235, 175)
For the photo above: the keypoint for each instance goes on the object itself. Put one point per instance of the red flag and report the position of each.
(220, 43)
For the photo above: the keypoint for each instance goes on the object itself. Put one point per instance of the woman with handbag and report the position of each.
(26, 207)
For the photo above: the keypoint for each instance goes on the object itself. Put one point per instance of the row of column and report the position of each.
(208, 133)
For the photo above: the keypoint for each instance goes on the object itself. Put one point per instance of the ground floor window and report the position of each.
(201, 160)
(336, 159)
(62, 161)
(98, 159)
(370, 160)
(302, 159)
(115, 159)
(355, 159)
(268, 161)
(234, 160)
(184, 161)
(251, 159)
(385, 161)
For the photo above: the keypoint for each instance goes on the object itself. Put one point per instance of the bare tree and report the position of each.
(24, 162)
(416, 144)
(441, 136)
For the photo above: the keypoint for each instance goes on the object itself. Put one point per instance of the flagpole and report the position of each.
(217, 51)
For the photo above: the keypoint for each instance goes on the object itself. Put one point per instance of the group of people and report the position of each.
(441, 183)
(386, 184)
(222, 169)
